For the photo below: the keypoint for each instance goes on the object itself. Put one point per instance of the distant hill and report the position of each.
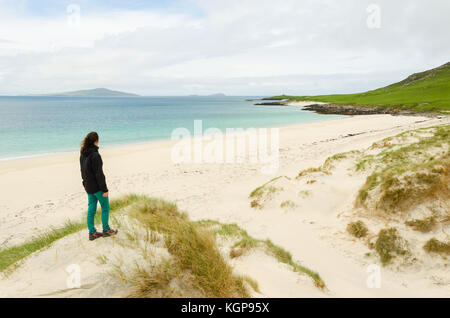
(218, 95)
(96, 92)
(424, 91)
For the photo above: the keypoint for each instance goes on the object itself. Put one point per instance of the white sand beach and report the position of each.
(46, 191)
(304, 103)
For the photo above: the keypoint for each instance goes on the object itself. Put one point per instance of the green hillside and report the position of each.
(425, 91)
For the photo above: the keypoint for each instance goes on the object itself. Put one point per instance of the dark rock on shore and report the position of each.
(353, 110)
(271, 104)
(349, 109)
(271, 98)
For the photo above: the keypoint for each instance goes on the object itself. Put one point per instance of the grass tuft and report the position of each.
(388, 244)
(255, 204)
(287, 204)
(436, 246)
(259, 191)
(357, 229)
(423, 225)
(312, 170)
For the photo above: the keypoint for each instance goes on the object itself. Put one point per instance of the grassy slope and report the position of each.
(426, 91)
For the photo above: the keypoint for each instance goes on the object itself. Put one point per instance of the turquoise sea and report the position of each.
(38, 125)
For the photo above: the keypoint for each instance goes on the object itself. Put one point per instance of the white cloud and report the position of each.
(235, 47)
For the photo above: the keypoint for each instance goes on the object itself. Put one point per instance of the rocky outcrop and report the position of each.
(272, 98)
(323, 108)
(353, 110)
(271, 104)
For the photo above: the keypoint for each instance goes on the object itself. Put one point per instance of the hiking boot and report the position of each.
(109, 232)
(94, 236)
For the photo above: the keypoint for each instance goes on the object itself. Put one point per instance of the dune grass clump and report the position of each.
(285, 257)
(327, 166)
(312, 170)
(255, 204)
(385, 143)
(357, 229)
(410, 190)
(435, 246)
(259, 191)
(287, 204)
(329, 162)
(265, 190)
(244, 243)
(423, 225)
(388, 244)
(14, 254)
(304, 193)
(410, 174)
(193, 248)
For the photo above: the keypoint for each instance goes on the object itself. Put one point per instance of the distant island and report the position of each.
(218, 95)
(96, 92)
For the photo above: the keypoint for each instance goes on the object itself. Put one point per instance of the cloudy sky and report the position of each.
(237, 47)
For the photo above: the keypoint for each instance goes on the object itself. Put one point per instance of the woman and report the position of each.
(94, 183)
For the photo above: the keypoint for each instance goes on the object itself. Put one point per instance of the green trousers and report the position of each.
(104, 203)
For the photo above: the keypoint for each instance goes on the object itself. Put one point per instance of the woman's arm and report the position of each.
(97, 166)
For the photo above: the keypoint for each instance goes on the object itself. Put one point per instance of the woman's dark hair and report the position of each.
(89, 140)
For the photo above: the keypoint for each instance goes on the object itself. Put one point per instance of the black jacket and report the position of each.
(92, 171)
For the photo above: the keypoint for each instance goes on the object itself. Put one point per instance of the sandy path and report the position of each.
(46, 191)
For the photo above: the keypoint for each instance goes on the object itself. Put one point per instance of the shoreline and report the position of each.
(138, 143)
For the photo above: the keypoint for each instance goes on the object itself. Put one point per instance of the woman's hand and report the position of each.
(105, 195)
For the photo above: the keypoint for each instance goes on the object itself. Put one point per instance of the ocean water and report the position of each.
(38, 125)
